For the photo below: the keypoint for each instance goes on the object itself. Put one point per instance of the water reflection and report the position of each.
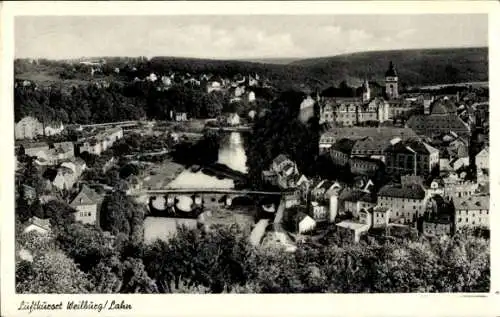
(188, 179)
(232, 152)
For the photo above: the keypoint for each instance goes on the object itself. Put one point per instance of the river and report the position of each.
(231, 153)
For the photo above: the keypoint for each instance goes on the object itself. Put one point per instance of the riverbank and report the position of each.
(162, 174)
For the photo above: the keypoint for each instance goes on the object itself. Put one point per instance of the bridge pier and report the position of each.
(201, 198)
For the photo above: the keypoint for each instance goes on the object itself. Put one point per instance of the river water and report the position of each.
(231, 153)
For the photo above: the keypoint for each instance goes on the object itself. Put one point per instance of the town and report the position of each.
(285, 170)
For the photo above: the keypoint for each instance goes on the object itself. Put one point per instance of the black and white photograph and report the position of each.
(250, 154)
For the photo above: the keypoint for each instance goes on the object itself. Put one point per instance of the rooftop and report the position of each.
(351, 225)
(280, 159)
(42, 223)
(427, 124)
(401, 191)
(364, 132)
(442, 107)
(357, 195)
(86, 196)
(344, 145)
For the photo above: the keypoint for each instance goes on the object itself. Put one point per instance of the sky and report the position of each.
(241, 37)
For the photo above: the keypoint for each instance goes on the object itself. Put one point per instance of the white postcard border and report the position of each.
(251, 305)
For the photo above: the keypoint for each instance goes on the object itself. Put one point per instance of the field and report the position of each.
(241, 215)
(161, 175)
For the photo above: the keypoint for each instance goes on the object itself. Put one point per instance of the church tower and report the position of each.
(391, 82)
(366, 91)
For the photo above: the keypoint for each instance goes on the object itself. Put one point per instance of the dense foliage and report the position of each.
(225, 262)
(87, 103)
(281, 132)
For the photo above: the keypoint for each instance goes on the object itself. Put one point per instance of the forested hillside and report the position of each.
(415, 67)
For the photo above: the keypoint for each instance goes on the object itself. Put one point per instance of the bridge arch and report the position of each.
(241, 200)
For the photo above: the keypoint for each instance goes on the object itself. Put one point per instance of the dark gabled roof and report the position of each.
(358, 195)
(371, 145)
(391, 72)
(344, 145)
(86, 196)
(446, 123)
(442, 107)
(363, 132)
(399, 191)
(280, 159)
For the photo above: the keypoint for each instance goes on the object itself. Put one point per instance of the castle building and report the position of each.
(351, 111)
(364, 107)
(391, 82)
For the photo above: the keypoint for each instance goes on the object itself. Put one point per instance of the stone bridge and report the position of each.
(205, 197)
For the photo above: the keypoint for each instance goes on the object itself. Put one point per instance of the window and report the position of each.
(466, 219)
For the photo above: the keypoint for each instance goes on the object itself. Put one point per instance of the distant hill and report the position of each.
(276, 61)
(414, 67)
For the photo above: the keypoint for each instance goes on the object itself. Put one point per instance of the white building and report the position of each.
(483, 159)
(87, 204)
(472, 212)
(306, 224)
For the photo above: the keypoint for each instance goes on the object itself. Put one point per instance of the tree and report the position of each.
(33, 177)
(23, 210)
(218, 263)
(53, 272)
(115, 211)
(59, 213)
(281, 132)
(85, 244)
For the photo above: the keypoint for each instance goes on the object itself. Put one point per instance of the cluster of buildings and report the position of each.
(398, 151)
(62, 171)
(441, 206)
(239, 88)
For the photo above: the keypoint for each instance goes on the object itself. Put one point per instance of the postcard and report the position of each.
(249, 158)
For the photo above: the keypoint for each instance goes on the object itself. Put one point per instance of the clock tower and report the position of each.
(391, 82)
